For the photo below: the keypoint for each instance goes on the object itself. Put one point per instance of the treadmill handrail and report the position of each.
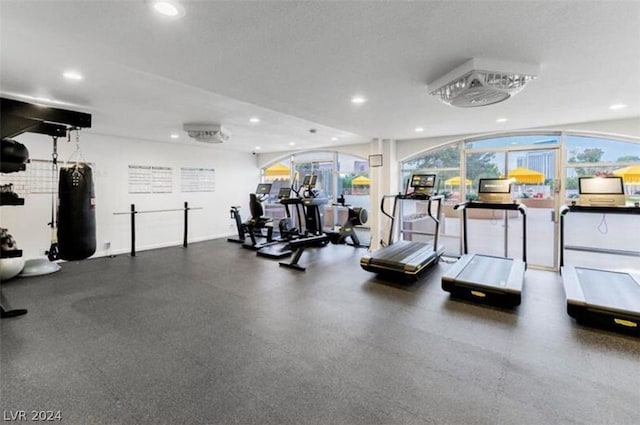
(565, 209)
(512, 206)
(460, 206)
(392, 216)
(402, 197)
(493, 206)
(597, 209)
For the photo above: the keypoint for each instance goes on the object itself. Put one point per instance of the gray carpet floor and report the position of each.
(213, 334)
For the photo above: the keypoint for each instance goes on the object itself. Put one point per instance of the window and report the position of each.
(338, 174)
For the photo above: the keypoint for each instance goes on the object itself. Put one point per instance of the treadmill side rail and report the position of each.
(516, 277)
(455, 270)
(572, 288)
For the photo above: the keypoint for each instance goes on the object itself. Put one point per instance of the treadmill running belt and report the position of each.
(488, 271)
(609, 289)
(402, 252)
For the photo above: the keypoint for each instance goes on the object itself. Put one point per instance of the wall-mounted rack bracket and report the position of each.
(18, 117)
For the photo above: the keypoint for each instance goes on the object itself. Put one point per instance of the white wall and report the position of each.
(236, 176)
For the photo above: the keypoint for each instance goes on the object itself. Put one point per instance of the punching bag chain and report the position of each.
(77, 153)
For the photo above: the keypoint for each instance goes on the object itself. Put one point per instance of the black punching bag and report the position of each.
(76, 213)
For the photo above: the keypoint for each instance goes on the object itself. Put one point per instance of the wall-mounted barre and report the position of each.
(132, 213)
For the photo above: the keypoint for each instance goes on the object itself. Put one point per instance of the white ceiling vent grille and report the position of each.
(207, 133)
(481, 82)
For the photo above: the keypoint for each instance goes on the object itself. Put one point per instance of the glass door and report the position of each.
(536, 184)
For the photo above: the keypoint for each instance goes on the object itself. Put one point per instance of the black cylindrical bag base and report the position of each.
(76, 213)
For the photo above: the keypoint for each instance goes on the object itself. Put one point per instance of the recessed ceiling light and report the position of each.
(419, 129)
(174, 135)
(358, 100)
(258, 148)
(254, 120)
(334, 139)
(292, 143)
(502, 120)
(617, 106)
(169, 8)
(73, 75)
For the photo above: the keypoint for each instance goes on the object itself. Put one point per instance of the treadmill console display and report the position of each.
(601, 191)
(309, 180)
(422, 184)
(423, 180)
(284, 193)
(494, 190)
(263, 189)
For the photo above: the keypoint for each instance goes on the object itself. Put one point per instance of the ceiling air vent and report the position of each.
(481, 82)
(207, 133)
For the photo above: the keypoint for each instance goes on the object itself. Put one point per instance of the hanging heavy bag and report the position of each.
(13, 155)
(76, 213)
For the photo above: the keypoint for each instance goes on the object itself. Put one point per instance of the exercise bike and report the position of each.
(356, 217)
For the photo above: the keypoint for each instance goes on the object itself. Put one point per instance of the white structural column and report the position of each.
(384, 181)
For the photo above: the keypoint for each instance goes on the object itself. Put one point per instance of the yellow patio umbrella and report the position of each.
(361, 180)
(455, 181)
(526, 176)
(630, 174)
(277, 170)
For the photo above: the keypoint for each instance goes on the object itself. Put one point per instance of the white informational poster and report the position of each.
(197, 179)
(150, 179)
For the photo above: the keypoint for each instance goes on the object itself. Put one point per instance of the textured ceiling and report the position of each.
(297, 64)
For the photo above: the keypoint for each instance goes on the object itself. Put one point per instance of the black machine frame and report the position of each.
(407, 260)
(580, 306)
(507, 294)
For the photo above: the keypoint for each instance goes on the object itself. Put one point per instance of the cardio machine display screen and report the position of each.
(423, 180)
(600, 186)
(494, 186)
(284, 193)
(263, 189)
(309, 180)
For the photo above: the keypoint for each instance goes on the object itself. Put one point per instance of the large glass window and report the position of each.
(596, 156)
(532, 160)
(338, 175)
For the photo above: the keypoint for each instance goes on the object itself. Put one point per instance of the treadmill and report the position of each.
(597, 297)
(485, 278)
(408, 260)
